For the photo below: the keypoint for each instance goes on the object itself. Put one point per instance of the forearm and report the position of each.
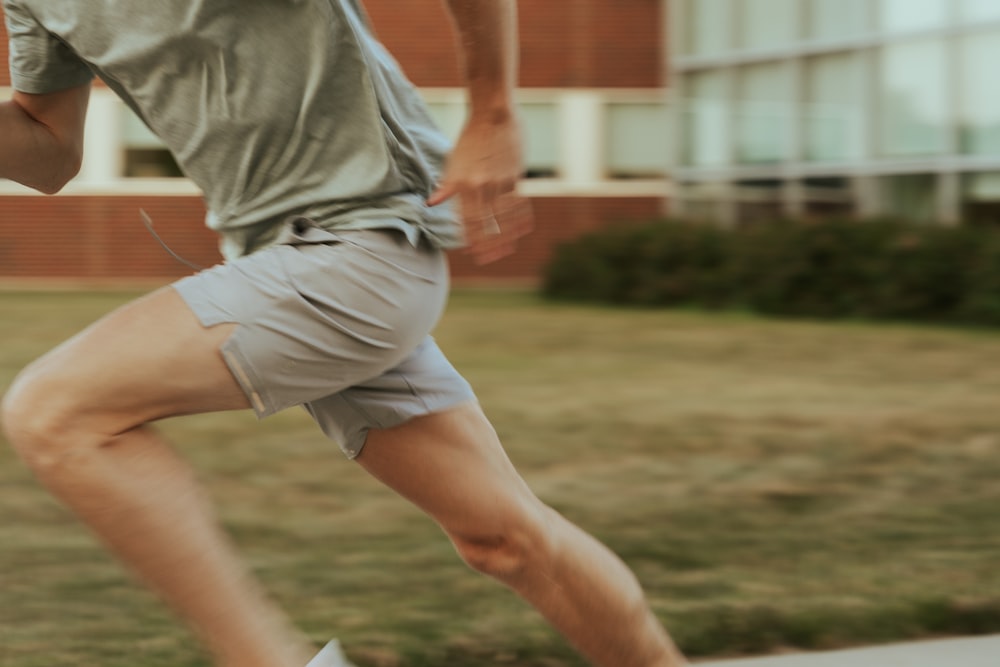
(31, 154)
(484, 167)
(489, 43)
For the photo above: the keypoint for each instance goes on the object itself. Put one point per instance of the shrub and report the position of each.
(809, 270)
(662, 264)
(836, 269)
(981, 301)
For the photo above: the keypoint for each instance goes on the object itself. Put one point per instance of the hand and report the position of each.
(482, 172)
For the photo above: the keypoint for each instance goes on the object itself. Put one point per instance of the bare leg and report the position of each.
(453, 467)
(77, 417)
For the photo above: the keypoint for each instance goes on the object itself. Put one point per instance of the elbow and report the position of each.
(55, 186)
(52, 186)
(61, 172)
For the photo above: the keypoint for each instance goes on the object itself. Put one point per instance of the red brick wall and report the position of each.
(564, 43)
(100, 238)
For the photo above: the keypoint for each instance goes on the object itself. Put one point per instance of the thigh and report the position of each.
(451, 464)
(147, 360)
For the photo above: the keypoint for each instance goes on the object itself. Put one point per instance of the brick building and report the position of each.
(593, 73)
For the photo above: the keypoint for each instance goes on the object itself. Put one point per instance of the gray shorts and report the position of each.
(337, 322)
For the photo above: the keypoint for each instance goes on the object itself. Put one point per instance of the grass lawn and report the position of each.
(773, 484)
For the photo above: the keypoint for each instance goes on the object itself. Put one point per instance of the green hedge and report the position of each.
(846, 269)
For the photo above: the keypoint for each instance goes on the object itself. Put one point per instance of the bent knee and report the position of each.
(521, 545)
(37, 417)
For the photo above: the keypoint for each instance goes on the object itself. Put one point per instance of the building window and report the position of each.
(540, 126)
(914, 103)
(764, 113)
(449, 116)
(979, 10)
(637, 140)
(904, 15)
(833, 113)
(145, 154)
(837, 19)
(980, 96)
(768, 23)
(981, 199)
(708, 29)
(706, 120)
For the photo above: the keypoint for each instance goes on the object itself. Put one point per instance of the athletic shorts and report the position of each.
(337, 322)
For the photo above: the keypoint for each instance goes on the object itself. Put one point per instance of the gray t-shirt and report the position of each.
(274, 108)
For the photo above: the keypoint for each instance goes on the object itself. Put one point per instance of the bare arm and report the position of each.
(486, 164)
(488, 35)
(41, 137)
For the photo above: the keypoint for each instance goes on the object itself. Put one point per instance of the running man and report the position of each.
(330, 190)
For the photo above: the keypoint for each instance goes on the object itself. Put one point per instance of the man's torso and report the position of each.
(273, 107)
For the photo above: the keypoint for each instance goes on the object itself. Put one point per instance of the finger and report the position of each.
(489, 244)
(494, 247)
(445, 191)
(515, 216)
(477, 217)
(493, 232)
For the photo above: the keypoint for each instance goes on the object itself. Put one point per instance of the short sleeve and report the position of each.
(39, 61)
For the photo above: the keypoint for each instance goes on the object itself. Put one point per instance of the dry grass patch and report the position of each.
(772, 483)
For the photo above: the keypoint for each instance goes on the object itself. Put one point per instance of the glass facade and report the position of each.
(895, 101)
(832, 115)
(706, 116)
(708, 29)
(979, 10)
(903, 15)
(979, 114)
(837, 19)
(764, 111)
(914, 98)
(768, 23)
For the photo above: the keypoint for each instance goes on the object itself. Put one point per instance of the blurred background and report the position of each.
(594, 108)
(775, 483)
(819, 107)
(726, 110)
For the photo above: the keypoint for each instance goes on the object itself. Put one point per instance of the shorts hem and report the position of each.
(239, 365)
(242, 371)
(356, 443)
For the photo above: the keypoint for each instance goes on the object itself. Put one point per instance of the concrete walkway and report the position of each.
(974, 652)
